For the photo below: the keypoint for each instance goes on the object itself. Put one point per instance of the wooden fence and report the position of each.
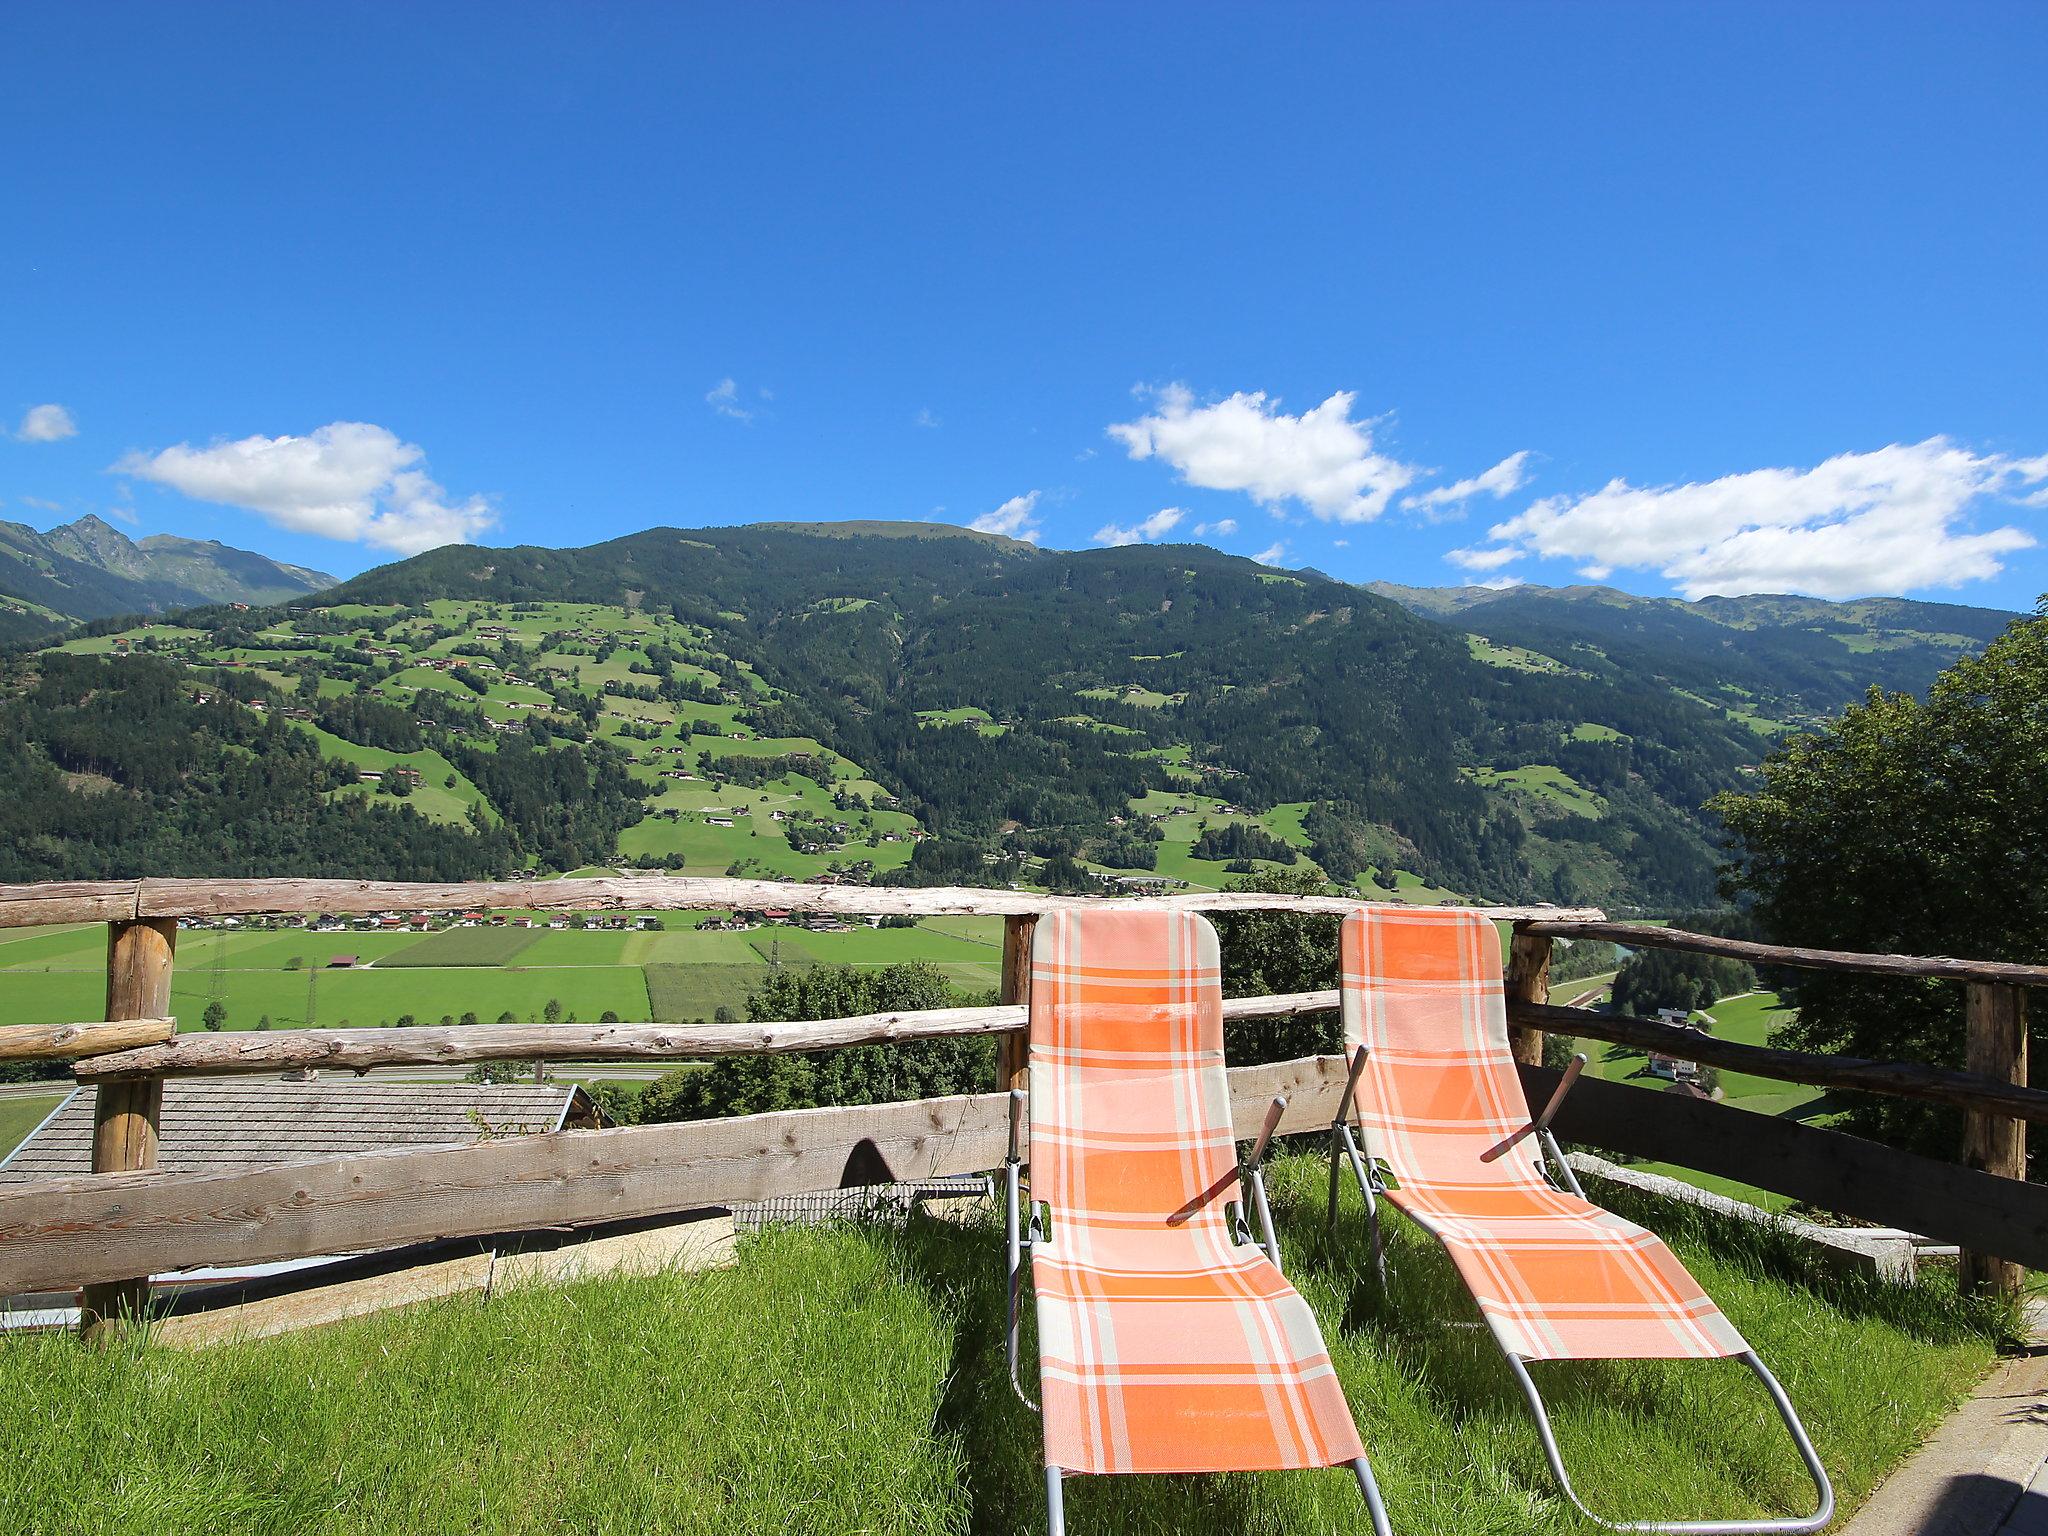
(125, 1221)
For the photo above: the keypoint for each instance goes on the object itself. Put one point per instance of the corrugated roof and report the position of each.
(219, 1125)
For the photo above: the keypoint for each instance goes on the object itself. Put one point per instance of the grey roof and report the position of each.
(219, 1125)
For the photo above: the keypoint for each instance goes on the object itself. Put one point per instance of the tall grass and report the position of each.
(852, 1379)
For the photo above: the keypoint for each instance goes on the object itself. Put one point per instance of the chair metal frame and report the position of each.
(1020, 1238)
(1551, 1164)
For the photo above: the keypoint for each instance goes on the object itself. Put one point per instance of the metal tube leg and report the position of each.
(1055, 1503)
(1336, 1151)
(1780, 1527)
(1371, 1489)
(1372, 1205)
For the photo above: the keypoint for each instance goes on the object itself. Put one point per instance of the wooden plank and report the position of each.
(1995, 1023)
(203, 898)
(68, 901)
(1901, 1079)
(359, 1050)
(1527, 981)
(67, 1231)
(59, 1042)
(1834, 1171)
(126, 1114)
(1643, 936)
(1013, 1049)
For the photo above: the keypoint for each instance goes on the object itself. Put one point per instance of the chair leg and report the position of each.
(1368, 1486)
(1055, 1502)
(1788, 1527)
(1343, 1142)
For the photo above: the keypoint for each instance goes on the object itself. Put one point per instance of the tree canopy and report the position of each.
(1908, 827)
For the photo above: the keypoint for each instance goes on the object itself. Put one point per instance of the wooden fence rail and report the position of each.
(125, 1221)
(113, 901)
(360, 1050)
(58, 1233)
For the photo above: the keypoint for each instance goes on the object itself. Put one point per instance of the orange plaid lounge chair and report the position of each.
(1168, 1340)
(1437, 1096)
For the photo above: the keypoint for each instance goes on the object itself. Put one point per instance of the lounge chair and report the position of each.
(1169, 1341)
(1438, 1098)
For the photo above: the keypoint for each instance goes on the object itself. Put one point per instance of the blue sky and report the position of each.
(1755, 294)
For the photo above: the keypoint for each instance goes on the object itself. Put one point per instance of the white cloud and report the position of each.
(1150, 531)
(1321, 459)
(1222, 528)
(46, 424)
(1016, 518)
(1890, 520)
(924, 417)
(724, 398)
(347, 480)
(1477, 559)
(1340, 543)
(1504, 479)
(1501, 583)
(1272, 554)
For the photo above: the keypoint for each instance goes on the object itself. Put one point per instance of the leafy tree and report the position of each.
(1670, 978)
(552, 1013)
(495, 1072)
(1906, 827)
(861, 1074)
(1279, 952)
(263, 1022)
(216, 1014)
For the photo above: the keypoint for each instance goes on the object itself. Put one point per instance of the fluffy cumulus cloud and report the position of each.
(1272, 554)
(1150, 531)
(1503, 480)
(348, 480)
(1222, 528)
(1890, 520)
(1322, 460)
(1016, 518)
(46, 424)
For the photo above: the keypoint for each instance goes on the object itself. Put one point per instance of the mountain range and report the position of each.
(89, 569)
(1151, 711)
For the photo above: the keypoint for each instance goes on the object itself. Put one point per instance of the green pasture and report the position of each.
(1546, 782)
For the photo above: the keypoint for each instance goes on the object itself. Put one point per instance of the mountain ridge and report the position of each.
(89, 569)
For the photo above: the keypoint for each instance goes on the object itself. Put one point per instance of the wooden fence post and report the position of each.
(126, 1114)
(1995, 1021)
(1013, 1048)
(1527, 981)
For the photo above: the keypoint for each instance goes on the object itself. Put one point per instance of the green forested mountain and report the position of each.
(916, 702)
(89, 569)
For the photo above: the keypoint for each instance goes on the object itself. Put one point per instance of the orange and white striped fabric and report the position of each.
(1556, 1277)
(1163, 1345)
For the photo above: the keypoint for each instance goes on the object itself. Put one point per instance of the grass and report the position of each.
(19, 1116)
(794, 1393)
(678, 993)
(466, 946)
(852, 1379)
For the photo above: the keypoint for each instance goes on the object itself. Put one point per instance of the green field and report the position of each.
(466, 946)
(19, 1116)
(1545, 783)
(1748, 1020)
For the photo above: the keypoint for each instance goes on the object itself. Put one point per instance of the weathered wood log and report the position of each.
(67, 1231)
(1995, 1023)
(1013, 1048)
(1834, 1171)
(67, 901)
(126, 1115)
(1527, 981)
(359, 1050)
(1644, 936)
(55, 1042)
(1901, 1079)
(26, 905)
